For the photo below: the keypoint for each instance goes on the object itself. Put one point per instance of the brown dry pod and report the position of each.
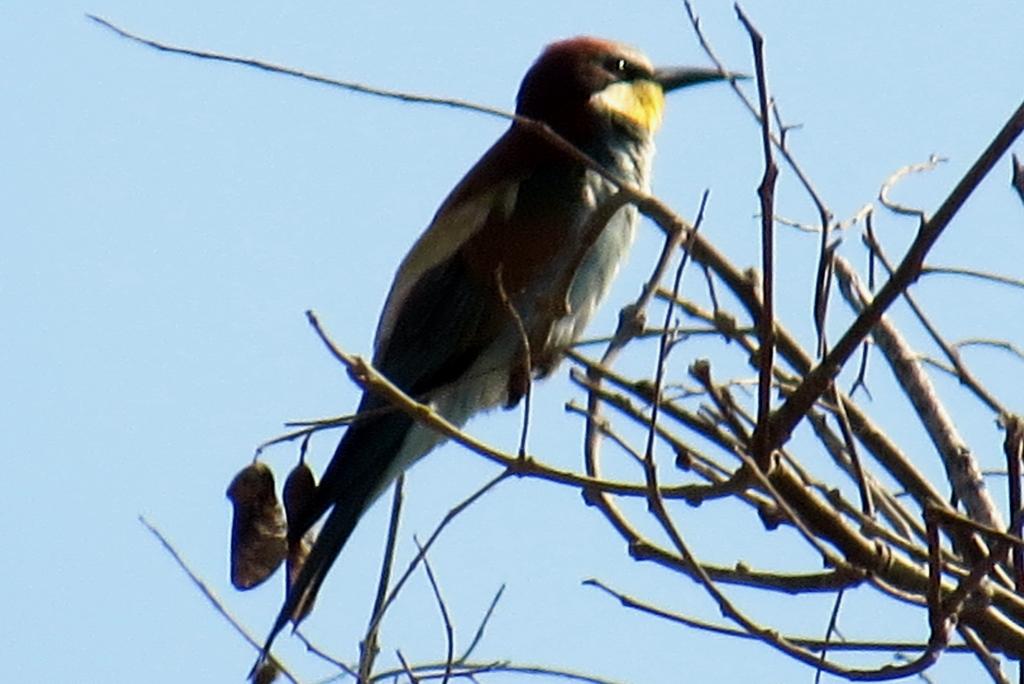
(258, 538)
(298, 493)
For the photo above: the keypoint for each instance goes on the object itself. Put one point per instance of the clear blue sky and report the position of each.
(165, 222)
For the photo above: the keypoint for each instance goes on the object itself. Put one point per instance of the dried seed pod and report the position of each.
(258, 537)
(298, 493)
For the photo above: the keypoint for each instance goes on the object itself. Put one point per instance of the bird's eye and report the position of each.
(618, 67)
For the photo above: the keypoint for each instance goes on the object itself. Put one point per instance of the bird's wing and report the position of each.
(438, 319)
(485, 196)
(443, 326)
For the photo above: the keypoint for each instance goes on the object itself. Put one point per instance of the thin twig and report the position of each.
(822, 289)
(988, 660)
(449, 631)
(951, 352)
(761, 444)
(326, 657)
(413, 679)
(521, 381)
(832, 621)
(825, 214)
(811, 644)
(663, 342)
(1002, 345)
(217, 604)
(471, 670)
(900, 174)
(648, 205)
(997, 278)
(866, 504)
(369, 647)
(448, 517)
(483, 625)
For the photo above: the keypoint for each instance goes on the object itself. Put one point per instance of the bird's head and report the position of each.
(584, 85)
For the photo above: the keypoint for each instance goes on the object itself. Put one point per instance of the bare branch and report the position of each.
(900, 174)
(369, 648)
(483, 625)
(217, 604)
(449, 631)
(761, 445)
(961, 468)
(974, 273)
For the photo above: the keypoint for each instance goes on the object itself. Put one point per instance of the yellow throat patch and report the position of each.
(638, 102)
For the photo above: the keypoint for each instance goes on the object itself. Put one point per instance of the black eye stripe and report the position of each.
(623, 69)
(617, 65)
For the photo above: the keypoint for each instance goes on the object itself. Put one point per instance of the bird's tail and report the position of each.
(336, 531)
(362, 463)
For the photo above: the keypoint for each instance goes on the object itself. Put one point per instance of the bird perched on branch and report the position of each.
(505, 277)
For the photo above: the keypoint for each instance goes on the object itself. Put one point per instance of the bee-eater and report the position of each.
(504, 240)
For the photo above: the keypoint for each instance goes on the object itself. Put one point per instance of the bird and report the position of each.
(505, 277)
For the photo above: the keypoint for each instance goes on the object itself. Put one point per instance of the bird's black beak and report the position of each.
(673, 78)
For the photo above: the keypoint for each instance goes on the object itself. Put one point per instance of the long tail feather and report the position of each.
(336, 531)
(362, 465)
